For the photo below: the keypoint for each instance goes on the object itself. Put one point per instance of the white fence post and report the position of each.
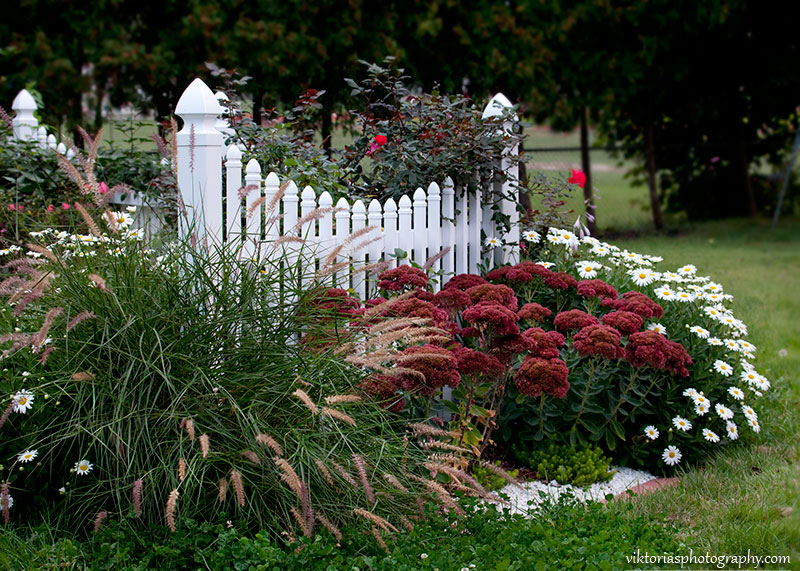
(252, 232)
(510, 186)
(390, 240)
(25, 124)
(434, 224)
(376, 248)
(233, 201)
(420, 230)
(200, 163)
(448, 230)
(359, 255)
(342, 232)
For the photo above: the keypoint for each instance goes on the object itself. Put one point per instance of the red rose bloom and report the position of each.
(599, 340)
(626, 322)
(502, 294)
(476, 363)
(545, 343)
(534, 312)
(402, 277)
(548, 376)
(596, 288)
(636, 302)
(577, 177)
(573, 319)
(464, 281)
(500, 319)
(436, 367)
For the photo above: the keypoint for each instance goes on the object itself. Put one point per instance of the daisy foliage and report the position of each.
(697, 411)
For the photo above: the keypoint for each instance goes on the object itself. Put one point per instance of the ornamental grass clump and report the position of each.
(162, 384)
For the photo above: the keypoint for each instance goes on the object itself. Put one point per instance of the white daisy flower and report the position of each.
(732, 431)
(642, 276)
(547, 265)
(671, 277)
(754, 425)
(699, 331)
(699, 398)
(671, 456)
(600, 250)
(658, 328)
(701, 408)
(22, 401)
(131, 209)
(27, 456)
(749, 376)
(710, 435)
(690, 392)
(684, 296)
(681, 424)
(736, 393)
(762, 384)
(687, 270)
(724, 412)
(492, 242)
(747, 347)
(588, 270)
(715, 341)
(123, 219)
(732, 344)
(723, 368)
(749, 412)
(664, 292)
(713, 287)
(532, 236)
(713, 312)
(83, 467)
(651, 432)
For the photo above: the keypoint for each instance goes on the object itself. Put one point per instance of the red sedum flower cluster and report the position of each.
(534, 312)
(596, 288)
(638, 303)
(537, 376)
(573, 319)
(600, 340)
(651, 348)
(492, 316)
(626, 322)
(401, 278)
(437, 367)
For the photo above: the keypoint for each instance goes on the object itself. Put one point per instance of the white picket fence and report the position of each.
(149, 214)
(443, 218)
(224, 203)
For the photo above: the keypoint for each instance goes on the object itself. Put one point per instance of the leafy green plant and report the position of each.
(567, 464)
(491, 480)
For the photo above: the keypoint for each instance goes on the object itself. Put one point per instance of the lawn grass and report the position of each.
(747, 498)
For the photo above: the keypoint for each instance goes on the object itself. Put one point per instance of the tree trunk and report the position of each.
(588, 196)
(650, 156)
(327, 129)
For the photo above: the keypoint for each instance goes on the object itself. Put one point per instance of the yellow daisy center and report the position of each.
(22, 400)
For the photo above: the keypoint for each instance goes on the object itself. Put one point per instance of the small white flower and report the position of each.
(27, 456)
(492, 242)
(736, 393)
(532, 236)
(684, 296)
(131, 209)
(658, 328)
(681, 424)
(62, 490)
(671, 456)
(123, 219)
(651, 432)
(724, 412)
(699, 331)
(690, 392)
(588, 270)
(83, 467)
(749, 412)
(547, 265)
(754, 425)
(733, 432)
(687, 270)
(783, 353)
(723, 368)
(714, 342)
(22, 401)
(423, 555)
(642, 276)
(762, 384)
(664, 292)
(701, 408)
(710, 436)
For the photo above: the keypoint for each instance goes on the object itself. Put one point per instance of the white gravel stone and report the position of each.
(535, 492)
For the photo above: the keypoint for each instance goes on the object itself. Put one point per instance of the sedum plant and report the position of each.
(567, 464)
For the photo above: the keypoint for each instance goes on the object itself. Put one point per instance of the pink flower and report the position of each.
(578, 177)
(11, 207)
(64, 206)
(102, 188)
(50, 207)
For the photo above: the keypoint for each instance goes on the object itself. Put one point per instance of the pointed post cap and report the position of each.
(24, 101)
(496, 106)
(198, 99)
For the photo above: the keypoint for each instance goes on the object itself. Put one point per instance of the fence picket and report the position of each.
(448, 229)
(342, 232)
(474, 231)
(420, 230)
(325, 239)
(462, 233)
(434, 223)
(359, 251)
(390, 241)
(233, 200)
(404, 220)
(252, 184)
(375, 252)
